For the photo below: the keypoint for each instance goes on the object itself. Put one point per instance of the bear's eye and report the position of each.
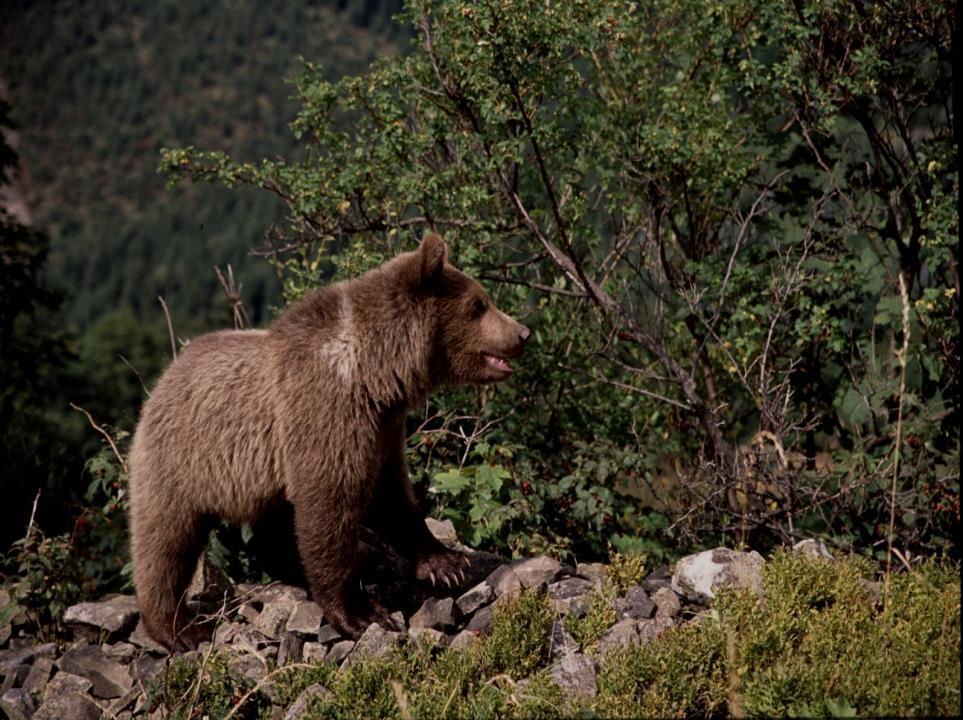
(477, 307)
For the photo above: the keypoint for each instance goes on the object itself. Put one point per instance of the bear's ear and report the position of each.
(434, 254)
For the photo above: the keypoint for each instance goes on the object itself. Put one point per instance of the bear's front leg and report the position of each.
(394, 516)
(328, 546)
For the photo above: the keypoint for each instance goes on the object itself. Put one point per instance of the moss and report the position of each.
(599, 618)
(626, 570)
(820, 643)
(192, 688)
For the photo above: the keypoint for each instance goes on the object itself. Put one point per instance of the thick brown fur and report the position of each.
(311, 411)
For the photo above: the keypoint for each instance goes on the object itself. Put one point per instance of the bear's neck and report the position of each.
(369, 337)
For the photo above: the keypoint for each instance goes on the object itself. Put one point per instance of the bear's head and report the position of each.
(472, 340)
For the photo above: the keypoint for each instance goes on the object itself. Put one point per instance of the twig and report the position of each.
(170, 327)
(233, 292)
(139, 378)
(110, 440)
(901, 358)
(33, 511)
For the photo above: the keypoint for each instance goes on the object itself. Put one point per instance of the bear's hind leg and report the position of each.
(165, 552)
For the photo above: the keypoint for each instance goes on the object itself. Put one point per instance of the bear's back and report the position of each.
(207, 434)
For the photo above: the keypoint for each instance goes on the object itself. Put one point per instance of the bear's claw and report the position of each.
(442, 566)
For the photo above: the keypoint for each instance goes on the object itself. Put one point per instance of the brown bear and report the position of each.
(311, 411)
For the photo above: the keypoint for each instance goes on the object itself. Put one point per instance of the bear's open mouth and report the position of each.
(497, 363)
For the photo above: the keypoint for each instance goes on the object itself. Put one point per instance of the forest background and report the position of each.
(732, 226)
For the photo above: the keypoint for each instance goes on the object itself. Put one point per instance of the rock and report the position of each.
(145, 667)
(436, 613)
(305, 620)
(429, 637)
(575, 673)
(637, 604)
(697, 577)
(339, 651)
(122, 652)
(399, 619)
(14, 677)
(667, 603)
(650, 629)
(537, 572)
(658, 578)
(327, 633)
(594, 572)
(443, 530)
(623, 634)
(9, 659)
(65, 698)
(5, 632)
(115, 617)
(481, 621)
(505, 582)
(209, 584)
(463, 640)
(264, 594)
(873, 588)
(248, 613)
(247, 666)
(17, 704)
(813, 548)
(108, 677)
(142, 639)
(312, 652)
(290, 649)
(481, 594)
(39, 675)
(310, 695)
(571, 596)
(274, 617)
(375, 642)
(561, 643)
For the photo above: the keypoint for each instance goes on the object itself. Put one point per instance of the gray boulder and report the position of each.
(109, 679)
(571, 596)
(505, 582)
(537, 572)
(561, 642)
(576, 674)
(667, 603)
(438, 613)
(481, 594)
(274, 618)
(623, 634)
(339, 651)
(299, 708)
(698, 577)
(375, 642)
(115, 617)
(17, 704)
(637, 604)
(443, 530)
(66, 698)
(305, 620)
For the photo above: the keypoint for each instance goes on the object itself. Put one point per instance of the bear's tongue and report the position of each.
(497, 363)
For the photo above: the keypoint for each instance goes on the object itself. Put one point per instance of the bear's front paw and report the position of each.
(442, 566)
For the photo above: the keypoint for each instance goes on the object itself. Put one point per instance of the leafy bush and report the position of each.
(45, 575)
(706, 213)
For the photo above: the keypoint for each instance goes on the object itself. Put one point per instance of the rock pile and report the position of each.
(104, 664)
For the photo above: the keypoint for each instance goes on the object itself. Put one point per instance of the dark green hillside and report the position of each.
(99, 88)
